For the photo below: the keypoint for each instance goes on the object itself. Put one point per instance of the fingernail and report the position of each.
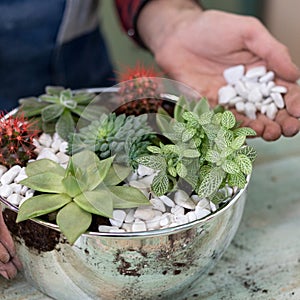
(4, 274)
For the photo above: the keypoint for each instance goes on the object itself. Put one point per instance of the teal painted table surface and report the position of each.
(263, 261)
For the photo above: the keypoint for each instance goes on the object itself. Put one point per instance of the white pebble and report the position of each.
(47, 153)
(164, 220)
(105, 228)
(267, 77)
(139, 225)
(278, 100)
(250, 85)
(144, 171)
(63, 147)
(144, 213)
(255, 95)
(127, 227)
(271, 111)
(15, 199)
(5, 190)
(3, 169)
(203, 203)
(256, 72)
(226, 93)
(241, 89)
(167, 201)
(62, 157)
(264, 90)
(177, 210)
(9, 176)
(233, 74)
(181, 198)
(22, 175)
(153, 223)
(45, 140)
(240, 107)
(279, 89)
(118, 217)
(201, 212)
(267, 101)
(158, 204)
(130, 216)
(235, 100)
(264, 108)
(181, 219)
(16, 187)
(213, 207)
(250, 110)
(191, 216)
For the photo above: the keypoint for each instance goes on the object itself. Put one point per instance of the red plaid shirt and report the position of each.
(128, 12)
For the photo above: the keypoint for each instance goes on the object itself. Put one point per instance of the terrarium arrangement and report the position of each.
(145, 164)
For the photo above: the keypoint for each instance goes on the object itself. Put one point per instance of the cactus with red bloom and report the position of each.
(139, 91)
(16, 140)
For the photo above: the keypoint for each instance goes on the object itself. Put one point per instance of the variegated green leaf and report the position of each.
(160, 184)
(181, 170)
(211, 183)
(249, 151)
(245, 131)
(155, 162)
(244, 163)
(190, 153)
(230, 167)
(228, 119)
(212, 156)
(238, 142)
(205, 118)
(73, 221)
(188, 133)
(237, 180)
(154, 149)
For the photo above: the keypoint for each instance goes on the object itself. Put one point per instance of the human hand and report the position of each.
(9, 262)
(200, 45)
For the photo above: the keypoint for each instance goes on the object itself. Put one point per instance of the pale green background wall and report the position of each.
(126, 53)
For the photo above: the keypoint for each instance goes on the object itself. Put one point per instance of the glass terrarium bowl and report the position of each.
(156, 264)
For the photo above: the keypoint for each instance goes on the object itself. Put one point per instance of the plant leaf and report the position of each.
(99, 202)
(52, 112)
(246, 131)
(212, 156)
(155, 162)
(244, 163)
(160, 184)
(228, 119)
(65, 125)
(47, 182)
(127, 197)
(211, 182)
(237, 180)
(71, 185)
(230, 167)
(249, 151)
(71, 215)
(190, 153)
(41, 205)
(116, 174)
(238, 142)
(38, 166)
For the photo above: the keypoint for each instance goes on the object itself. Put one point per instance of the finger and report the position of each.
(4, 254)
(289, 125)
(272, 130)
(292, 100)
(10, 269)
(259, 40)
(17, 263)
(5, 238)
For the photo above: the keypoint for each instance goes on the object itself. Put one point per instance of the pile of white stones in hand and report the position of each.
(163, 211)
(252, 91)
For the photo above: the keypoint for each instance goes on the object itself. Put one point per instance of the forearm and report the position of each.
(159, 18)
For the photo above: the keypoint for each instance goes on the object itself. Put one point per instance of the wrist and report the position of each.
(159, 18)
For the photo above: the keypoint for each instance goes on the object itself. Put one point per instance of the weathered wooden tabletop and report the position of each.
(263, 261)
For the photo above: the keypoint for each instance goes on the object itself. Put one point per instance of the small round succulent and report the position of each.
(16, 140)
(126, 137)
(139, 91)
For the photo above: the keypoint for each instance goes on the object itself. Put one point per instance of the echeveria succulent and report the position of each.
(59, 109)
(87, 186)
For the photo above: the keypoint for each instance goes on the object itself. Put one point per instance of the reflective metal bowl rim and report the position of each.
(136, 234)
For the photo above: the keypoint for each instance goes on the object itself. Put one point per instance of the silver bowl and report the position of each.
(157, 264)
